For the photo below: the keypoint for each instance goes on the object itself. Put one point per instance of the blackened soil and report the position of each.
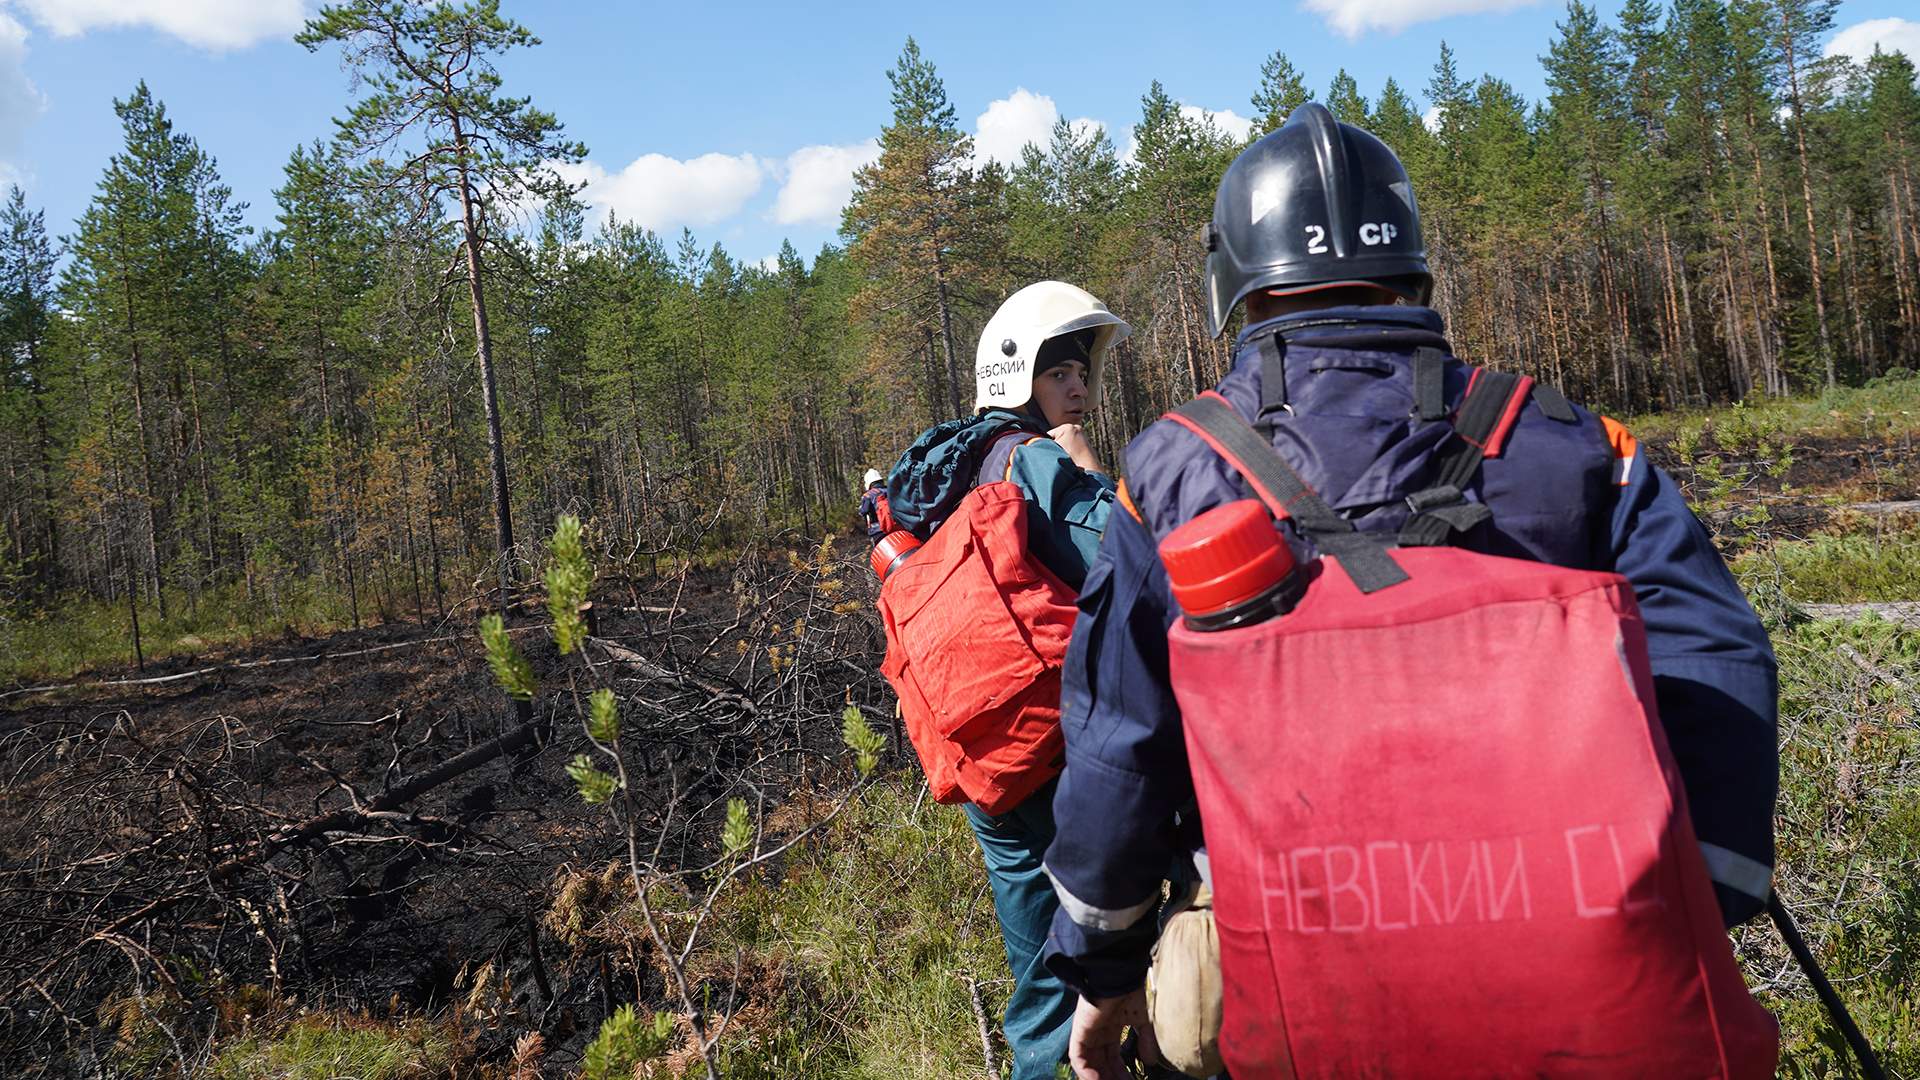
(115, 797)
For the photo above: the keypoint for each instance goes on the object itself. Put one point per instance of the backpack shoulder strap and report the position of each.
(1286, 495)
(1485, 419)
(1430, 383)
(1554, 404)
(996, 464)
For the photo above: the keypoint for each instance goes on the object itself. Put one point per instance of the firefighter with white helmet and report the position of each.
(1037, 376)
(1037, 328)
(874, 513)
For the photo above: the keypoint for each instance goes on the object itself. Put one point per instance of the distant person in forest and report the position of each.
(1010, 503)
(1374, 444)
(873, 507)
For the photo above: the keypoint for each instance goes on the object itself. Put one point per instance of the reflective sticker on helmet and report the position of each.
(1373, 234)
(1265, 201)
(1316, 240)
(1404, 190)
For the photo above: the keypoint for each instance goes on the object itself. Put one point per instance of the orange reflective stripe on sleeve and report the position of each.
(1126, 500)
(1625, 448)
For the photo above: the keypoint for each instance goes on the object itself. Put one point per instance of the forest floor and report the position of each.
(166, 915)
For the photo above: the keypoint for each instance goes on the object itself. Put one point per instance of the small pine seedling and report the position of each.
(738, 832)
(510, 669)
(860, 738)
(623, 1043)
(603, 717)
(596, 786)
(568, 577)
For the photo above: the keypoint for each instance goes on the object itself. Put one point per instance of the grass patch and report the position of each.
(1888, 406)
(326, 1047)
(1848, 843)
(874, 929)
(84, 634)
(1850, 568)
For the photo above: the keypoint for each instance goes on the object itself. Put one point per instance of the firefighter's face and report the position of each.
(1061, 393)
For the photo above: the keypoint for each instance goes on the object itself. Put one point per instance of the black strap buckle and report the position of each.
(1435, 497)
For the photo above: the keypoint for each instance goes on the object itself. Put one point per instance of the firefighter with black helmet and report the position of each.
(1350, 379)
(1315, 207)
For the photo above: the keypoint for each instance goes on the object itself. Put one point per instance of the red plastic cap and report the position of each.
(889, 549)
(1226, 556)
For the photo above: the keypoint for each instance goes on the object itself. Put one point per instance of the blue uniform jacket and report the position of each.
(1572, 493)
(1067, 506)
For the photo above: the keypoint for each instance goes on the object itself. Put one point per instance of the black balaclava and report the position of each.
(1053, 352)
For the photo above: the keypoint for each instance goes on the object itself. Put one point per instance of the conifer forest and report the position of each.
(424, 361)
(436, 401)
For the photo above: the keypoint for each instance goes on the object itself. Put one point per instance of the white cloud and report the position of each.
(819, 181)
(21, 102)
(1021, 118)
(210, 24)
(1431, 118)
(1225, 120)
(1012, 122)
(663, 193)
(1351, 18)
(1891, 35)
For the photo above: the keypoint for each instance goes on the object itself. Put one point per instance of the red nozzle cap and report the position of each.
(889, 550)
(1226, 556)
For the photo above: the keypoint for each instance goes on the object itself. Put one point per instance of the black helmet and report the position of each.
(1314, 205)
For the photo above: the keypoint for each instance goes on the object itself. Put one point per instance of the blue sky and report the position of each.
(742, 121)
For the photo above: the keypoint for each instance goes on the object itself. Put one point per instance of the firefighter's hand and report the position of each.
(1094, 1047)
(1074, 441)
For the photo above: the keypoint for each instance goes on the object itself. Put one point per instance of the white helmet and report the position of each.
(1003, 364)
(873, 477)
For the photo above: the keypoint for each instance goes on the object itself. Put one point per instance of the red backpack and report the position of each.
(883, 513)
(1445, 832)
(977, 629)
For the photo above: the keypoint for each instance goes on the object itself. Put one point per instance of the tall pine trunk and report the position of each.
(489, 395)
(946, 334)
(1806, 194)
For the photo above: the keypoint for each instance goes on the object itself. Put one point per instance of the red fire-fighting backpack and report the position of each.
(883, 513)
(1445, 832)
(977, 628)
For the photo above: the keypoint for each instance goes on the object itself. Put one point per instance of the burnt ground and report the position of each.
(141, 825)
(1828, 478)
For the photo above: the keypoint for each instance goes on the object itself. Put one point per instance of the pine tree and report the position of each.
(322, 263)
(1344, 100)
(432, 80)
(1176, 164)
(27, 261)
(134, 254)
(1586, 101)
(1282, 90)
(919, 222)
(1058, 199)
(1797, 24)
(1893, 122)
(1397, 122)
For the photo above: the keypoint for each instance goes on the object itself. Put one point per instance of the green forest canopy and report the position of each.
(1699, 211)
